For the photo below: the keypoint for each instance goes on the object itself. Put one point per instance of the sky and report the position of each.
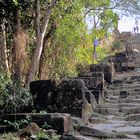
(127, 24)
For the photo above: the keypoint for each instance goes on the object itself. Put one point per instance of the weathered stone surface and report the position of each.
(70, 137)
(123, 94)
(91, 74)
(133, 117)
(108, 111)
(77, 122)
(97, 120)
(72, 97)
(118, 81)
(107, 70)
(137, 78)
(95, 85)
(130, 110)
(31, 129)
(125, 60)
(44, 94)
(89, 131)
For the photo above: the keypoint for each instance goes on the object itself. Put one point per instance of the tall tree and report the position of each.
(3, 50)
(40, 34)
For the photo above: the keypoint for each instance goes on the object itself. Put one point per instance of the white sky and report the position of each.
(127, 24)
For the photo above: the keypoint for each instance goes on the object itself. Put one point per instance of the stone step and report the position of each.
(131, 101)
(91, 131)
(131, 130)
(128, 110)
(111, 101)
(134, 97)
(127, 87)
(108, 105)
(77, 137)
(134, 93)
(93, 120)
(133, 117)
(128, 105)
(108, 110)
(112, 97)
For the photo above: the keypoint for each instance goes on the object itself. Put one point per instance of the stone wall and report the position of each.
(76, 96)
(125, 60)
(70, 96)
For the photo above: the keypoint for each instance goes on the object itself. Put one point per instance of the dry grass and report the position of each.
(8, 136)
(20, 54)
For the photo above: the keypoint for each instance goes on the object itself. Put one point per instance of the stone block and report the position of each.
(123, 94)
(89, 131)
(61, 122)
(72, 97)
(44, 95)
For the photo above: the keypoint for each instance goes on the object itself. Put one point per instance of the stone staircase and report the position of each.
(136, 45)
(121, 107)
(118, 115)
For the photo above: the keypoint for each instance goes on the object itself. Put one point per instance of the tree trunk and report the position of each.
(3, 53)
(94, 19)
(43, 55)
(39, 40)
(16, 51)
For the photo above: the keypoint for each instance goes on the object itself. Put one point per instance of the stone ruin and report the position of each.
(70, 96)
(125, 60)
(77, 96)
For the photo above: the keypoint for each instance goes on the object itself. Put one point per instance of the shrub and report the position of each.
(117, 45)
(13, 97)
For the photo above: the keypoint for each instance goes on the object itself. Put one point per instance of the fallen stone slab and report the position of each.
(90, 131)
(76, 137)
(59, 121)
(69, 137)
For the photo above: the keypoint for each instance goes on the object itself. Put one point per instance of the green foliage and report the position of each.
(43, 135)
(46, 126)
(70, 43)
(13, 98)
(102, 52)
(117, 45)
(108, 20)
(4, 80)
(18, 124)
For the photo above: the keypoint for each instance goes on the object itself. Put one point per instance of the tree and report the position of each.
(3, 51)
(39, 39)
(59, 30)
